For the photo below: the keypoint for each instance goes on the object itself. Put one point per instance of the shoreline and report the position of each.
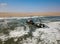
(8, 14)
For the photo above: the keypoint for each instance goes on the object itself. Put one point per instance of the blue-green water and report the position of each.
(15, 30)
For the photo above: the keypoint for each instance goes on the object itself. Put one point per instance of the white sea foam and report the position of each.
(51, 34)
(48, 35)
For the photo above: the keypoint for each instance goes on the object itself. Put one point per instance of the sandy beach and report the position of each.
(12, 14)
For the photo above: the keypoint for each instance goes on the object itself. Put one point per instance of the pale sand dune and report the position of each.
(6, 14)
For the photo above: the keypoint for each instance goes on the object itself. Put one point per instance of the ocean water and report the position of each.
(15, 30)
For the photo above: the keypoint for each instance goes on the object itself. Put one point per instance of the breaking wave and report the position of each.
(12, 32)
